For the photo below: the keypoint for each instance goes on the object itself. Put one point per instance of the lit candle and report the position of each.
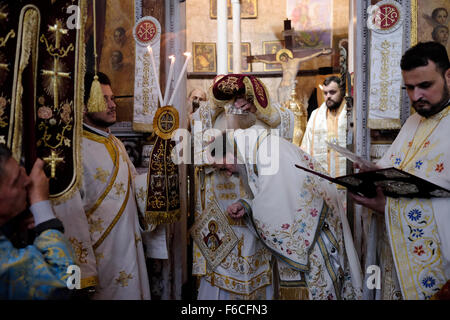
(188, 56)
(152, 58)
(169, 78)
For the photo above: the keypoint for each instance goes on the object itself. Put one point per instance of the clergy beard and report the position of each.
(333, 105)
(435, 108)
(99, 122)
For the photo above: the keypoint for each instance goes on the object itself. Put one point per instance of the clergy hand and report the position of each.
(376, 204)
(236, 210)
(38, 189)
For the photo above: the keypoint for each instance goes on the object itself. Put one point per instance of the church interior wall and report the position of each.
(268, 26)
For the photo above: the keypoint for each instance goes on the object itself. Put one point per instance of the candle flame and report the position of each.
(172, 58)
(187, 54)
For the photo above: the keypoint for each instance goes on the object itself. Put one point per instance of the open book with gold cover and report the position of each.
(394, 182)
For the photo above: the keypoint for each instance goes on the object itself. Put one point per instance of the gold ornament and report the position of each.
(300, 116)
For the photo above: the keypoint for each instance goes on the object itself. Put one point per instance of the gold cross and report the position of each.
(59, 31)
(53, 160)
(4, 66)
(167, 122)
(123, 279)
(55, 73)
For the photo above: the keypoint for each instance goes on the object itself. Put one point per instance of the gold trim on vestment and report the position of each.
(116, 219)
(116, 160)
(89, 282)
(264, 274)
(384, 124)
(28, 26)
(329, 266)
(293, 293)
(78, 106)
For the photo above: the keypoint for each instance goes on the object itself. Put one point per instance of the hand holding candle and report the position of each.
(169, 78)
(188, 56)
(152, 58)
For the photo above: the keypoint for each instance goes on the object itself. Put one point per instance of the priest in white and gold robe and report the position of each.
(328, 123)
(101, 220)
(298, 216)
(245, 272)
(418, 229)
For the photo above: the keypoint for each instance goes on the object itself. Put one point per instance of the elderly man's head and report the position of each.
(195, 97)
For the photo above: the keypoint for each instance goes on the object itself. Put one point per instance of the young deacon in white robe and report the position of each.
(419, 229)
(246, 272)
(101, 220)
(297, 215)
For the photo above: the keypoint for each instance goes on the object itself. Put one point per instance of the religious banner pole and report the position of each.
(147, 93)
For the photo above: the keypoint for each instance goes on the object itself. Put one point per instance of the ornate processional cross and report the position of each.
(53, 161)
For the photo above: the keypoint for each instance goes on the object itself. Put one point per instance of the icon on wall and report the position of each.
(245, 51)
(204, 56)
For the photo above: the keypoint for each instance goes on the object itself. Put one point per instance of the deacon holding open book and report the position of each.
(419, 228)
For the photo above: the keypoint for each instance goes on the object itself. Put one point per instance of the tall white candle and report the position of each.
(169, 79)
(152, 58)
(188, 56)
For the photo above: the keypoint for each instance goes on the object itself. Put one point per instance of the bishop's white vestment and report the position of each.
(101, 221)
(419, 229)
(298, 216)
(245, 272)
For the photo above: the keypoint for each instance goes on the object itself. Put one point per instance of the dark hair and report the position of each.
(89, 78)
(5, 154)
(421, 53)
(434, 33)
(335, 79)
(436, 11)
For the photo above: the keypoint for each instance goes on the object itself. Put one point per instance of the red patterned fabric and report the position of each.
(233, 85)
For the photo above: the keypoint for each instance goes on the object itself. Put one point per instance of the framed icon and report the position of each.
(272, 47)
(245, 51)
(249, 9)
(204, 56)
